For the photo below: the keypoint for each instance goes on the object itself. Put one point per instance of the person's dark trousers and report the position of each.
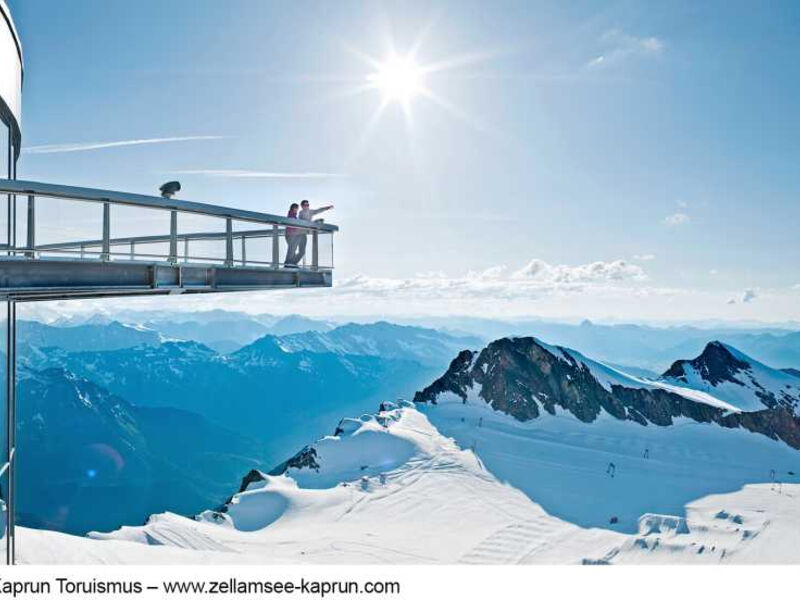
(292, 243)
(301, 248)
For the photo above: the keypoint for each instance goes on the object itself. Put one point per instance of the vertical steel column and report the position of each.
(11, 426)
(9, 171)
(105, 254)
(173, 236)
(244, 250)
(228, 242)
(186, 249)
(314, 250)
(31, 243)
(276, 249)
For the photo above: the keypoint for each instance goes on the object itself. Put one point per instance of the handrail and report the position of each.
(49, 190)
(154, 239)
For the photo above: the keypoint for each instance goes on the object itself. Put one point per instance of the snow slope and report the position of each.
(563, 463)
(406, 486)
(396, 494)
(609, 376)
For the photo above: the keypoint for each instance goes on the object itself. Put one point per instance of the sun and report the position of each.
(398, 79)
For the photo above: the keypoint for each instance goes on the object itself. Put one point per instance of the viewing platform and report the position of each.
(71, 242)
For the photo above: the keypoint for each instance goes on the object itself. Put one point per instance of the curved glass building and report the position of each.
(10, 141)
(10, 93)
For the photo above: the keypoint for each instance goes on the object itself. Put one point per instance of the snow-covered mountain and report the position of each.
(106, 335)
(737, 379)
(426, 346)
(519, 453)
(395, 488)
(524, 378)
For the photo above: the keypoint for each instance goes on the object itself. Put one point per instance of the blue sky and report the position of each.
(619, 160)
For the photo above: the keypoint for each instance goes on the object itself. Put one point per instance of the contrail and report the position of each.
(54, 148)
(240, 173)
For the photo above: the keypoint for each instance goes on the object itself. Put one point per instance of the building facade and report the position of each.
(10, 142)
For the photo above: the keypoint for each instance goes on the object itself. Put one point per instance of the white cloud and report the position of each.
(618, 270)
(537, 279)
(796, 286)
(678, 218)
(245, 174)
(620, 46)
(491, 273)
(748, 296)
(82, 147)
(644, 257)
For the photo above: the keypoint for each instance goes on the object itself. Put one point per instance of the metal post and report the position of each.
(244, 250)
(11, 426)
(186, 249)
(105, 254)
(31, 244)
(13, 240)
(228, 242)
(276, 250)
(133, 250)
(314, 250)
(173, 237)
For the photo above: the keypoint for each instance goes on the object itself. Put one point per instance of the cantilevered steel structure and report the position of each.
(187, 248)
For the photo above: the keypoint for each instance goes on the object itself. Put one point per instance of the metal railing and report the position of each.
(107, 248)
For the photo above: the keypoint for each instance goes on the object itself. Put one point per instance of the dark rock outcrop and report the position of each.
(522, 377)
(715, 365)
(305, 459)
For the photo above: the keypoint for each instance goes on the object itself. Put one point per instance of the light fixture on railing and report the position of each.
(169, 189)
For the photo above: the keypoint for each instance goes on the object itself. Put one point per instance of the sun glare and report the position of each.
(398, 79)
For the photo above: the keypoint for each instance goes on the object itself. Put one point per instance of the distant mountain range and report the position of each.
(639, 346)
(180, 415)
(634, 347)
(87, 456)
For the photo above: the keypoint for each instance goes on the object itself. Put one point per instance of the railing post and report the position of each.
(173, 237)
(133, 250)
(228, 242)
(314, 250)
(105, 254)
(276, 248)
(31, 227)
(244, 250)
(186, 249)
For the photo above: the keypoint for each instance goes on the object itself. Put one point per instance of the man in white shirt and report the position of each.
(306, 214)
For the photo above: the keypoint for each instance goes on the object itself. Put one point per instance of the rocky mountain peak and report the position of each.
(716, 364)
(526, 378)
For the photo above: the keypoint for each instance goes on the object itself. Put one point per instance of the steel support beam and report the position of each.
(52, 278)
